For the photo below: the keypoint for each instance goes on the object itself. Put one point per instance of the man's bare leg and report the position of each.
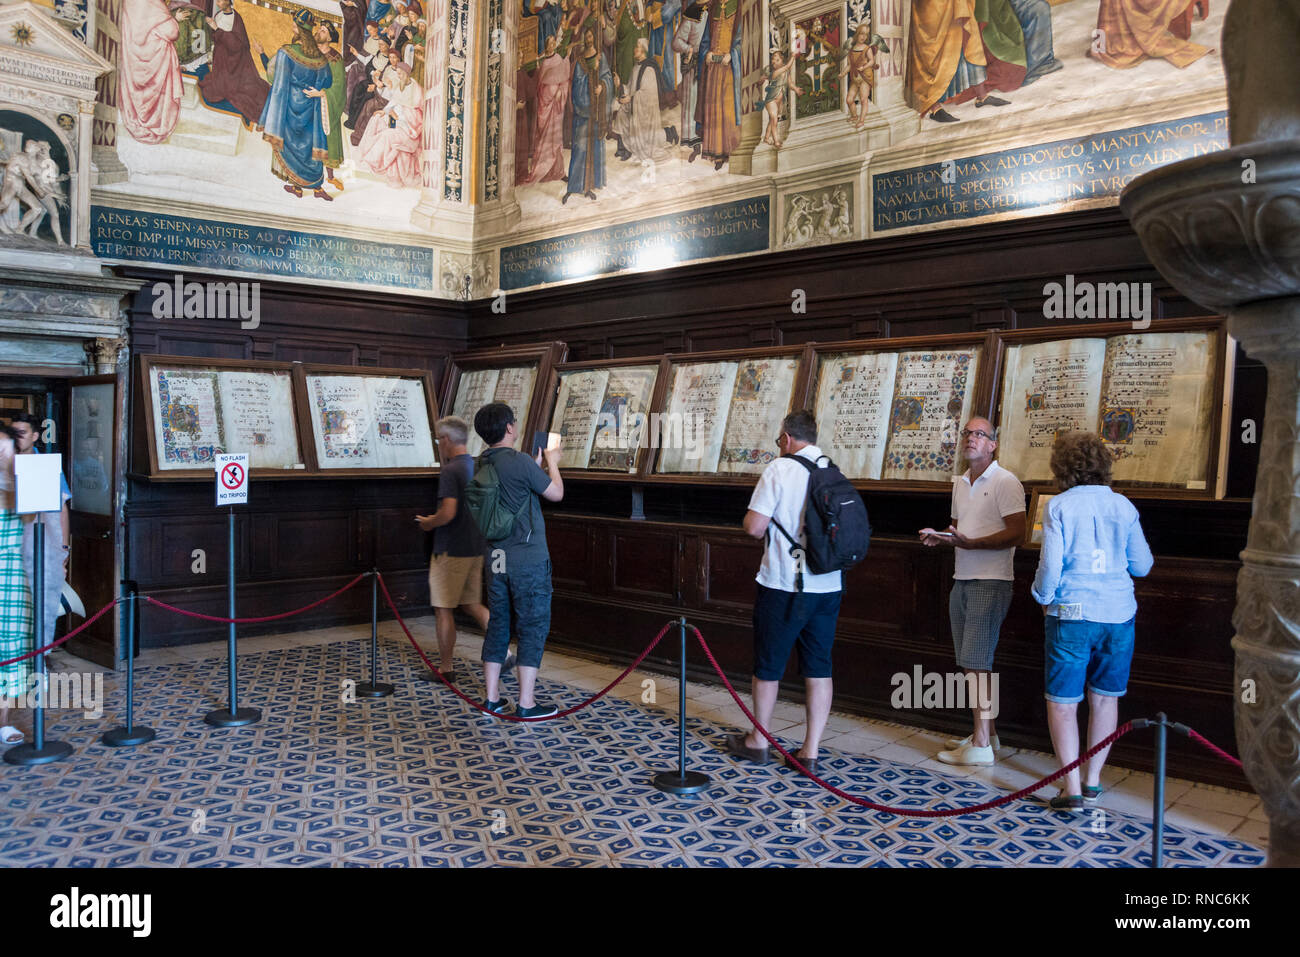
(479, 613)
(491, 675)
(817, 708)
(983, 733)
(446, 623)
(527, 679)
(764, 693)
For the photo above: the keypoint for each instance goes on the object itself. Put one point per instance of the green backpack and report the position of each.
(483, 499)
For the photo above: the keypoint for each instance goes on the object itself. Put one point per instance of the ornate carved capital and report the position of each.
(102, 354)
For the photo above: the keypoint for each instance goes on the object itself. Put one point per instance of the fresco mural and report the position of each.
(309, 112)
(848, 119)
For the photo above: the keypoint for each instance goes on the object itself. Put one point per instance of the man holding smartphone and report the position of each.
(988, 521)
(519, 585)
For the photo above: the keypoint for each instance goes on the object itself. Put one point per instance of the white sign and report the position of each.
(37, 478)
(232, 479)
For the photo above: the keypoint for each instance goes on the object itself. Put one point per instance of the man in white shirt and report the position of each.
(988, 520)
(793, 605)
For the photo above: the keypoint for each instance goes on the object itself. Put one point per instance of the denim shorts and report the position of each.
(1094, 653)
(519, 600)
(783, 619)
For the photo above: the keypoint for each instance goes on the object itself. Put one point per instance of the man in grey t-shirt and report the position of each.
(519, 585)
(456, 566)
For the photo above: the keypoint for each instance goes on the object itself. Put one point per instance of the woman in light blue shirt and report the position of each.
(1092, 545)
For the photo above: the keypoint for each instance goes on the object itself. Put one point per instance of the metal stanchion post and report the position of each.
(1158, 800)
(233, 716)
(39, 751)
(129, 733)
(373, 688)
(681, 781)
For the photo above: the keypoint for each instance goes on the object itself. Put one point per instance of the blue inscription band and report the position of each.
(727, 229)
(1096, 166)
(179, 241)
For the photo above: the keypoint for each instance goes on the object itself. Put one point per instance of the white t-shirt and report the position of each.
(978, 510)
(782, 494)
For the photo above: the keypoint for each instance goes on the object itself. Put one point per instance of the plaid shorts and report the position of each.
(17, 620)
(976, 609)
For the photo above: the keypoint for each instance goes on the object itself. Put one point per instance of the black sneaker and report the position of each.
(538, 711)
(509, 664)
(498, 707)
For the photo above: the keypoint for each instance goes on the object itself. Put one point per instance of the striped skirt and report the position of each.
(17, 622)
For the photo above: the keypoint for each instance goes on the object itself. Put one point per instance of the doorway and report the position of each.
(78, 422)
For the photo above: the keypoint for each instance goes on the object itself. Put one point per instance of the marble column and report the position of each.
(1225, 230)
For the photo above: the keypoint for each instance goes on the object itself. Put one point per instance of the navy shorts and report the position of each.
(1092, 653)
(522, 598)
(783, 619)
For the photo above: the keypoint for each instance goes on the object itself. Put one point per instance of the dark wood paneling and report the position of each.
(643, 564)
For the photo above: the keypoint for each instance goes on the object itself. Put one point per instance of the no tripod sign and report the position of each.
(232, 479)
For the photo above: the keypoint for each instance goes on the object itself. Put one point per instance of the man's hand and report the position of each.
(958, 539)
(552, 458)
(425, 522)
(931, 538)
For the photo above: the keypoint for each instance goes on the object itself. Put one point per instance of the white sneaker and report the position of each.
(955, 743)
(967, 754)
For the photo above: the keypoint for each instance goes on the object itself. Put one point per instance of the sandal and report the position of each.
(736, 745)
(11, 735)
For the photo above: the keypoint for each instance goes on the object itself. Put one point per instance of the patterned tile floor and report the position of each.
(420, 780)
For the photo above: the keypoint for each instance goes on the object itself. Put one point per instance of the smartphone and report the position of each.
(545, 441)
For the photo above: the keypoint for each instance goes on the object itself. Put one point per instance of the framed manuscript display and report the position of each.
(515, 376)
(196, 409)
(602, 414)
(721, 412)
(367, 419)
(1154, 395)
(895, 413)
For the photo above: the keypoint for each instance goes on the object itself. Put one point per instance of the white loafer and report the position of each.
(967, 754)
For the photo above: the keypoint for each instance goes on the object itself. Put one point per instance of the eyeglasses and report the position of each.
(967, 433)
(779, 438)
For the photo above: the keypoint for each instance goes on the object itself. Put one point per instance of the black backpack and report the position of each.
(836, 527)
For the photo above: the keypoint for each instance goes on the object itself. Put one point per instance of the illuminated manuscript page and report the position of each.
(1157, 407)
(258, 411)
(403, 436)
(343, 427)
(188, 418)
(932, 399)
(691, 436)
(854, 393)
(474, 390)
(581, 397)
(621, 427)
(759, 401)
(1050, 387)
(515, 389)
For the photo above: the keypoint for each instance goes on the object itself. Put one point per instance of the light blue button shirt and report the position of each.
(1092, 544)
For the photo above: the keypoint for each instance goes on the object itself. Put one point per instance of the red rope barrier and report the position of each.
(249, 621)
(72, 634)
(510, 717)
(1212, 747)
(907, 812)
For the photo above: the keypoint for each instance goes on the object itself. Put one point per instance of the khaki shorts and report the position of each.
(454, 581)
